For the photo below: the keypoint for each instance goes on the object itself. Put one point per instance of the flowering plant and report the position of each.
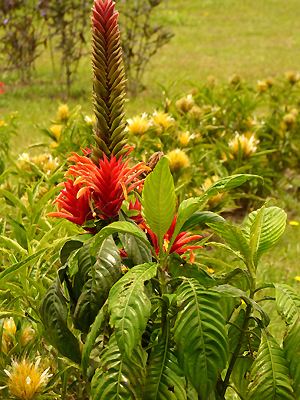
(149, 320)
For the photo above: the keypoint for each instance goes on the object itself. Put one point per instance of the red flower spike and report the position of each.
(109, 183)
(72, 208)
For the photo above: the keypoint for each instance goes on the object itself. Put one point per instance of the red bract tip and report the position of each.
(183, 242)
(104, 16)
(109, 182)
(70, 207)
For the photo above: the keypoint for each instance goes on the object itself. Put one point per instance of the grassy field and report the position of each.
(211, 37)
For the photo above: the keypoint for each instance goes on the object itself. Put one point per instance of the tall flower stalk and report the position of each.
(109, 81)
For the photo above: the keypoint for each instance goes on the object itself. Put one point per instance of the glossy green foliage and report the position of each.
(200, 335)
(159, 199)
(130, 306)
(119, 377)
(270, 373)
(54, 315)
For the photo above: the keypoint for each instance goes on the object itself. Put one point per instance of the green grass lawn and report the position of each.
(212, 37)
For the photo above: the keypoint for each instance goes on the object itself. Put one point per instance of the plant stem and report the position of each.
(236, 351)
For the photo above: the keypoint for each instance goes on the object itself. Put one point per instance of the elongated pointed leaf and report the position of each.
(291, 346)
(54, 315)
(117, 227)
(119, 377)
(165, 379)
(288, 303)
(101, 276)
(263, 228)
(200, 335)
(159, 199)
(270, 374)
(91, 337)
(233, 236)
(11, 271)
(136, 249)
(130, 306)
(235, 292)
(199, 219)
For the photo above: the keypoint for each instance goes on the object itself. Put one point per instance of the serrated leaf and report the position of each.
(54, 315)
(270, 374)
(288, 303)
(165, 379)
(158, 199)
(200, 335)
(101, 276)
(119, 377)
(130, 307)
(291, 346)
(124, 227)
(263, 228)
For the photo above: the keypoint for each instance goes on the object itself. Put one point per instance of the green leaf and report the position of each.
(270, 373)
(119, 377)
(235, 292)
(159, 199)
(68, 248)
(178, 268)
(117, 227)
(263, 228)
(136, 249)
(100, 277)
(288, 303)
(91, 338)
(200, 336)
(233, 236)
(13, 269)
(291, 346)
(130, 306)
(199, 219)
(165, 379)
(54, 315)
(228, 183)
(20, 232)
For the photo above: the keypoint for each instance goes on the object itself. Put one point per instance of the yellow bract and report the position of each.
(178, 160)
(185, 103)
(138, 125)
(56, 130)
(244, 144)
(26, 379)
(63, 112)
(162, 121)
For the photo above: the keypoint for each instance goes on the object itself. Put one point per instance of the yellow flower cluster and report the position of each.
(162, 121)
(177, 160)
(243, 144)
(184, 138)
(46, 162)
(138, 125)
(26, 379)
(63, 112)
(9, 330)
(185, 104)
